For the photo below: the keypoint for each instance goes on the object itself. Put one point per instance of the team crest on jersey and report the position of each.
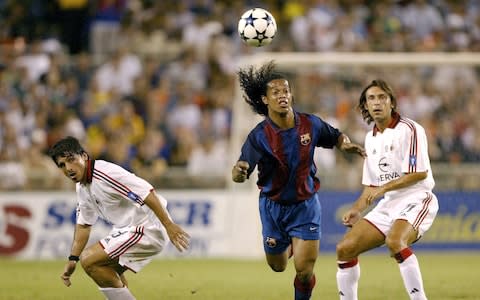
(305, 139)
(271, 242)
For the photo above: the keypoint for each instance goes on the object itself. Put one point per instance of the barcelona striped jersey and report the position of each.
(284, 157)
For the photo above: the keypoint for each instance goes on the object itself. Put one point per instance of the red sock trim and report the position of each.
(403, 255)
(348, 264)
(304, 287)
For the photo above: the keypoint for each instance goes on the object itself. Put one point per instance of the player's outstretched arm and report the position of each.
(352, 215)
(240, 171)
(80, 239)
(345, 145)
(179, 238)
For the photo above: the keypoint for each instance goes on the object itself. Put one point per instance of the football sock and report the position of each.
(303, 290)
(410, 271)
(348, 274)
(117, 293)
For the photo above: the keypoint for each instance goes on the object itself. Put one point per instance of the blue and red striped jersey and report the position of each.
(286, 169)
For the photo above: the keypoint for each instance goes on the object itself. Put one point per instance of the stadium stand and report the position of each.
(150, 84)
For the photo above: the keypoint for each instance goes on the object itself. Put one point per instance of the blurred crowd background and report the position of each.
(150, 84)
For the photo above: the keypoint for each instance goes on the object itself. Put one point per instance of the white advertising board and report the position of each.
(40, 225)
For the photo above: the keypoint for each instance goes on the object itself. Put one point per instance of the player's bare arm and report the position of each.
(401, 182)
(352, 215)
(345, 145)
(179, 238)
(240, 171)
(80, 239)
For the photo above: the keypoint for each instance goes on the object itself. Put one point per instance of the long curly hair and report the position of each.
(363, 99)
(254, 85)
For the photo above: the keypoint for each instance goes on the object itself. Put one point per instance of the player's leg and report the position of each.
(306, 253)
(398, 240)
(362, 237)
(275, 241)
(277, 262)
(304, 229)
(123, 279)
(105, 272)
(100, 267)
(415, 215)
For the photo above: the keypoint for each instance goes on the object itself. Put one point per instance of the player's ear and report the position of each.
(85, 156)
(265, 100)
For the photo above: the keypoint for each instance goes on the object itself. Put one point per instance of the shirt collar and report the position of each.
(393, 123)
(274, 126)
(89, 170)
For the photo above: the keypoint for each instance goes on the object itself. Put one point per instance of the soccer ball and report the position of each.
(257, 27)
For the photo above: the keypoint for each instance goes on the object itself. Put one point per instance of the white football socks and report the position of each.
(117, 293)
(347, 281)
(412, 278)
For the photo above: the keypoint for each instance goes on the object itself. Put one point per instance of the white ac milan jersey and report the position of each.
(115, 195)
(398, 150)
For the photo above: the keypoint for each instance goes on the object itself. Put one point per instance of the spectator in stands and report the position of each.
(12, 173)
(41, 78)
(153, 153)
(105, 28)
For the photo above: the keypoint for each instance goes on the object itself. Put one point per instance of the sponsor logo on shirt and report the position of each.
(383, 164)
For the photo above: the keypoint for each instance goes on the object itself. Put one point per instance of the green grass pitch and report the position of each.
(448, 275)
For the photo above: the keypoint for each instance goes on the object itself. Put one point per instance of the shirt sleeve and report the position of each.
(327, 134)
(86, 214)
(250, 152)
(368, 177)
(130, 186)
(415, 153)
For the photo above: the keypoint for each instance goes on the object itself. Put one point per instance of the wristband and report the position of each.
(74, 258)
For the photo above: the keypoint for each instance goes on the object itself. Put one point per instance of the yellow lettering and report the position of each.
(460, 227)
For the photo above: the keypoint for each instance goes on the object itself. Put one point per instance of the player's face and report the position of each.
(379, 104)
(73, 166)
(279, 97)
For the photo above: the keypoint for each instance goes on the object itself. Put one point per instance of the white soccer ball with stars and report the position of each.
(257, 27)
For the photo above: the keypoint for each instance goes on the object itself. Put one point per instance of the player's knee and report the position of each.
(86, 263)
(346, 249)
(394, 244)
(277, 267)
(305, 275)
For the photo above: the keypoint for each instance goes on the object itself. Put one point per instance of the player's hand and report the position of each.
(179, 238)
(68, 271)
(240, 171)
(350, 217)
(354, 148)
(373, 193)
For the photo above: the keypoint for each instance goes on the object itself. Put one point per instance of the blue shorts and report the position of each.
(282, 222)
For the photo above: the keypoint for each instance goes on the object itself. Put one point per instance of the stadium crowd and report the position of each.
(150, 84)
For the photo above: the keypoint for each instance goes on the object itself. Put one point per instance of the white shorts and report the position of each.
(134, 246)
(418, 209)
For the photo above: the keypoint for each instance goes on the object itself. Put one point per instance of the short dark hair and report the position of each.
(254, 84)
(65, 147)
(363, 98)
